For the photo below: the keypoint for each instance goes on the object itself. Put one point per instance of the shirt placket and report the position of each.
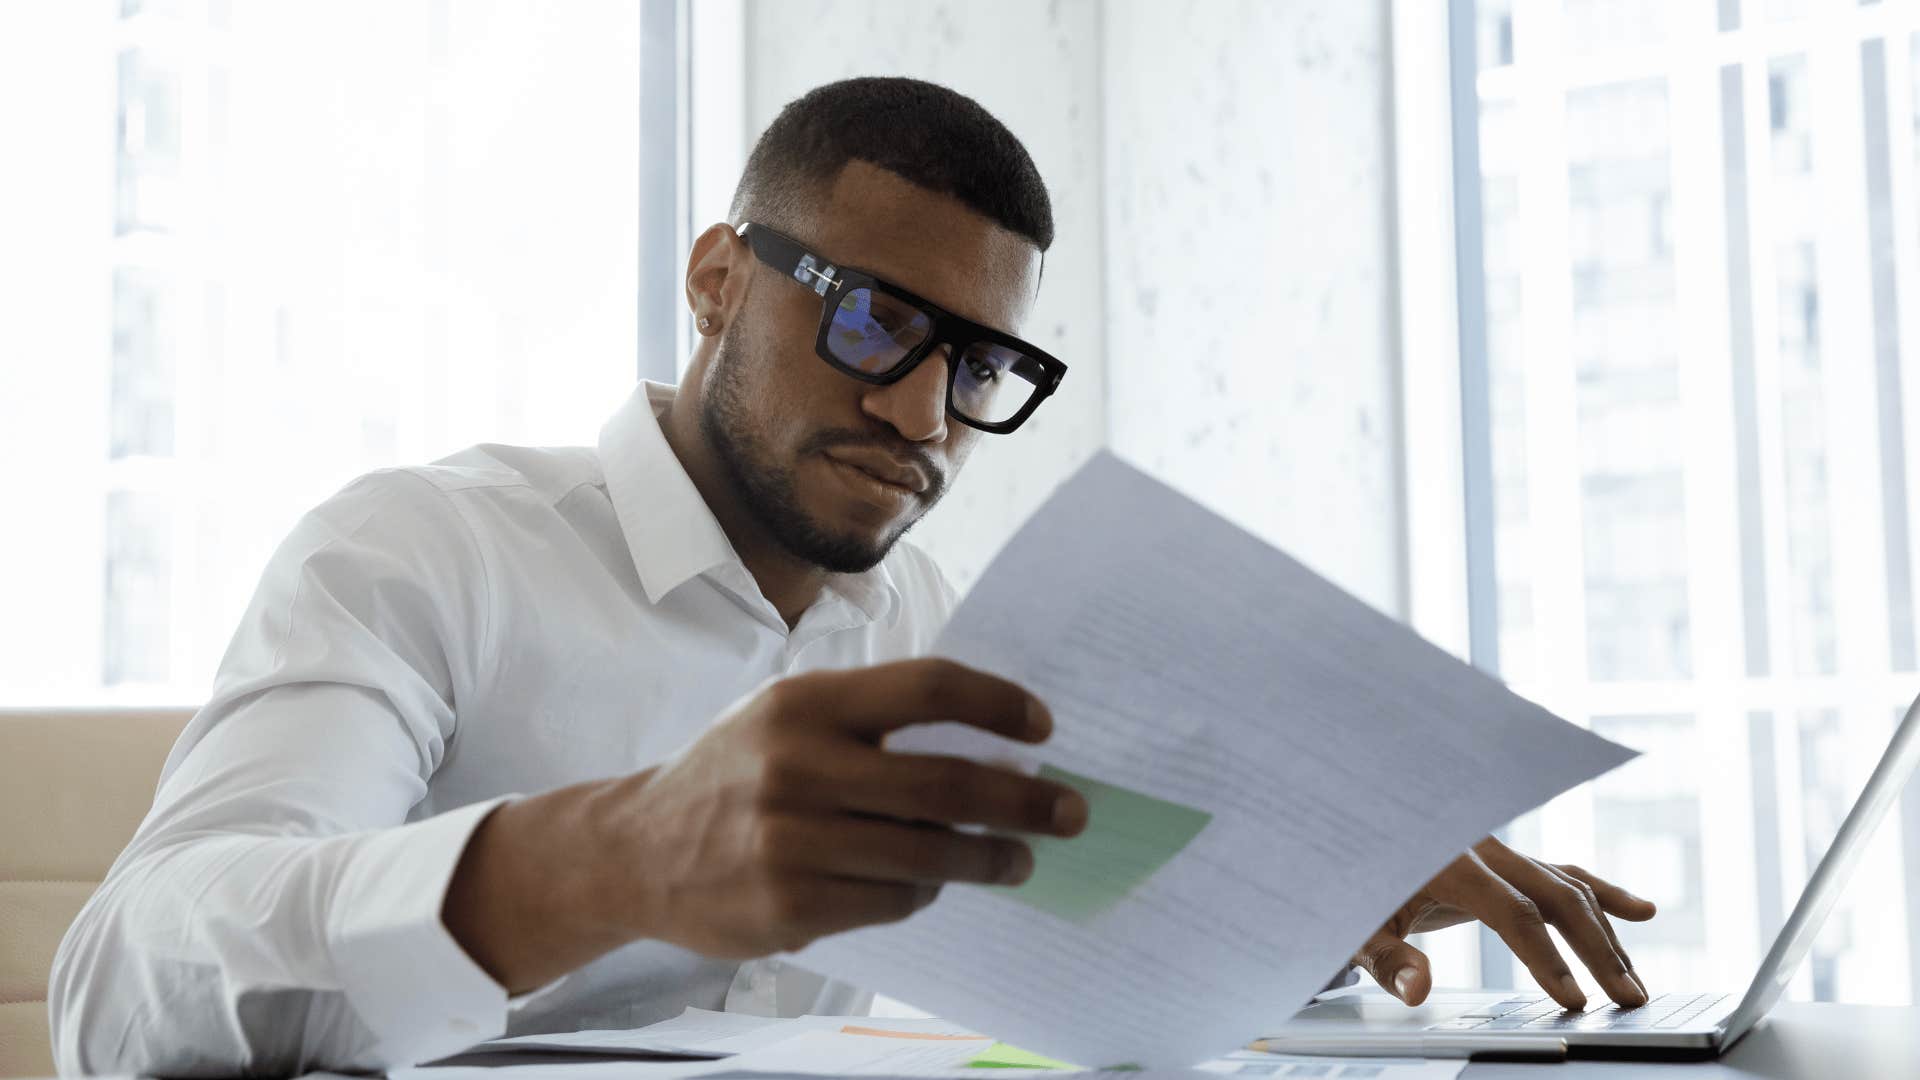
(822, 620)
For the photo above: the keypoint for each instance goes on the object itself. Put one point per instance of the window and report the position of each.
(1699, 233)
(312, 250)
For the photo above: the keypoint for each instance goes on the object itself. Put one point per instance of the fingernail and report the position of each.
(1403, 981)
(1039, 721)
(1635, 976)
(1570, 987)
(1069, 814)
(1019, 866)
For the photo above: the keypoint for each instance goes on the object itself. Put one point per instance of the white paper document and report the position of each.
(1305, 1066)
(832, 1053)
(694, 1033)
(1273, 768)
(840, 1053)
(703, 1033)
(572, 1070)
(817, 1052)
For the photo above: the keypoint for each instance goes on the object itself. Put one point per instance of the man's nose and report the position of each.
(916, 406)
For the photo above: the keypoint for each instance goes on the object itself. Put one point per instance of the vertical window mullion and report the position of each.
(1496, 966)
(1882, 241)
(1902, 60)
(1470, 274)
(1855, 521)
(1557, 541)
(1714, 362)
(662, 218)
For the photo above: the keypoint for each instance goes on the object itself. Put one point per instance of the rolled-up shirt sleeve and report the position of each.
(279, 910)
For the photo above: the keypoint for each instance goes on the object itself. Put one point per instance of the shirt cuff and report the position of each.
(406, 977)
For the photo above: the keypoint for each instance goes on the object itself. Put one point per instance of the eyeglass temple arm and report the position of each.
(789, 258)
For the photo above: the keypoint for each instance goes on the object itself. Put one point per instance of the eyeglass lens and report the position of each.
(873, 332)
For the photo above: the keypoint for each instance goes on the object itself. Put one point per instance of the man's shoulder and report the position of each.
(502, 471)
(407, 499)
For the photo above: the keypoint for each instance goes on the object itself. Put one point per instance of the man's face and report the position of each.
(836, 469)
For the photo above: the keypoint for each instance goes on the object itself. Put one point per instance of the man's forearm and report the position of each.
(535, 894)
(162, 971)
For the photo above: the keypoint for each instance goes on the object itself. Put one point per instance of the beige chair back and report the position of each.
(74, 784)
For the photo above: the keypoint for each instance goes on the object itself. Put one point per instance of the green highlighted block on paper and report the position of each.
(1129, 835)
(1002, 1056)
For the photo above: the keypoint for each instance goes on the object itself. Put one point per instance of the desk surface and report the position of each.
(1795, 1042)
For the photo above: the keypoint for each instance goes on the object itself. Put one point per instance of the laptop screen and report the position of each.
(1823, 888)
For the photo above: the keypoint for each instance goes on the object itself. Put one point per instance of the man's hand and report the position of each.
(1519, 897)
(784, 822)
(787, 821)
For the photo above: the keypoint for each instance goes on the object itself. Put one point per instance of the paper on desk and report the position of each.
(838, 1053)
(1292, 1069)
(1338, 759)
(593, 1070)
(694, 1033)
(703, 1033)
(1301, 1066)
(824, 1053)
(855, 1061)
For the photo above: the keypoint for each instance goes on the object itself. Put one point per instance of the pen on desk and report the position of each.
(1514, 1047)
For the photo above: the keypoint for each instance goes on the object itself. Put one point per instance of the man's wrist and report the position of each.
(528, 900)
(612, 891)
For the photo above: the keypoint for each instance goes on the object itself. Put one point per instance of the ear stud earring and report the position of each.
(706, 323)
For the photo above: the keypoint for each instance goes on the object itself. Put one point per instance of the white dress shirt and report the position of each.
(428, 643)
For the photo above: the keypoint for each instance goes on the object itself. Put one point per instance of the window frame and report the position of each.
(197, 50)
(1449, 514)
(662, 335)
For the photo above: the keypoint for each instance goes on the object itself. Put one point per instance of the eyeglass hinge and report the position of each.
(822, 280)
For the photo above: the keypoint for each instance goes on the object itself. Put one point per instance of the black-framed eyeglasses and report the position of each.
(877, 332)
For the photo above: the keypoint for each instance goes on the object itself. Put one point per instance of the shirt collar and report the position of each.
(670, 533)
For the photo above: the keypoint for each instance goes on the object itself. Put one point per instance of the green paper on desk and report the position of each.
(1002, 1056)
(1129, 835)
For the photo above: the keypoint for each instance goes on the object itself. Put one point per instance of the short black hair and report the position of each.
(924, 133)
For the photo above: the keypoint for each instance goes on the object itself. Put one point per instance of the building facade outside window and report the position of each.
(1700, 234)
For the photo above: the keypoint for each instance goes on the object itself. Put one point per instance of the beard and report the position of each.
(766, 487)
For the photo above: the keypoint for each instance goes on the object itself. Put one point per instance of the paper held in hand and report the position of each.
(1273, 768)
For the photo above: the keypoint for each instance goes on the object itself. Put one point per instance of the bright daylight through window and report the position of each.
(1701, 236)
(290, 250)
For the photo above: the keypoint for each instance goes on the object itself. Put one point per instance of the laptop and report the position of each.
(1674, 1026)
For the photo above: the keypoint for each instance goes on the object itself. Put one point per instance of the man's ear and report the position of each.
(717, 276)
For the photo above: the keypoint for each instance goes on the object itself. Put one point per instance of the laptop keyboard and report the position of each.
(1664, 1012)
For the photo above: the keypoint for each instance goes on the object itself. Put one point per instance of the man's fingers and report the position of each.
(1398, 967)
(894, 851)
(810, 907)
(1568, 904)
(1517, 919)
(953, 791)
(1606, 924)
(1614, 900)
(872, 701)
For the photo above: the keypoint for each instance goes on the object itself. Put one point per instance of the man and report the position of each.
(544, 739)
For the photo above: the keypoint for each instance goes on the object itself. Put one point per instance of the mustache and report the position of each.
(896, 448)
